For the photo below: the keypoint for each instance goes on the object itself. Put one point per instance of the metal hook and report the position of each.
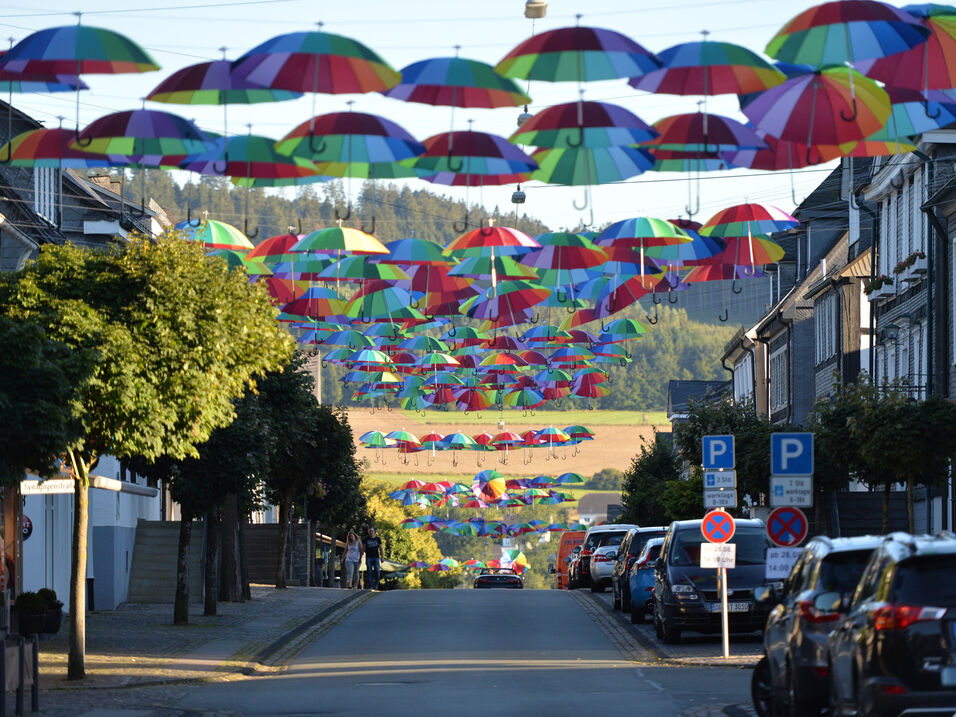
(733, 287)
(77, 141)
(245, 230)
(348, 212)
(536, 318)
(939, 110)
(656, 298)
(189, 218)
(453, 331)
(670, 292)
(461, 226)
(316, 150)
(692, 212)
(656, 318)
(567, 139)
(852, 117)
(451, 163)
(298, 225)
(561, 296)
(225, 165)
(574, 202)
(371, 230)
(723, 317)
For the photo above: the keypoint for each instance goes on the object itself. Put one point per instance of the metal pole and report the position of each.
(724, 621)
(3, 677)
(20, 642)
(35, 691)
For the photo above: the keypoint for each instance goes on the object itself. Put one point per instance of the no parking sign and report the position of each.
(787, 527)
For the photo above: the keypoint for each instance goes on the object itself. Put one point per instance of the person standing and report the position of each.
(353, 556)
(373, 558)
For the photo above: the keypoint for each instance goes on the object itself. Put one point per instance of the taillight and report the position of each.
(601, 558)
(811, 614)
(899, 617)
(586, 553)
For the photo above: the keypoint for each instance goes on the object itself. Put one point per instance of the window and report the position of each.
(45, 192)
(778, 379)
(825, 324)
(743, 379)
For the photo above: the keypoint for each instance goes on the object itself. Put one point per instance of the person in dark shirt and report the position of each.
(373, 558)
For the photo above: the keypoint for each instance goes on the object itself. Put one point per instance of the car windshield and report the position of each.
(751, 546)
(840, 572)
(926, 580)
(611, 539)
(640, 540)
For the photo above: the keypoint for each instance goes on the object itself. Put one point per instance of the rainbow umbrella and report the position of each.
(250, 157)
(927, 66)
(748, 250)
(509, 301)
(587, 166)
(583, 124)
(138, 134)
(50, 148)
(469, 158)
(722, 272)
(317, 302)
(577, 54)
(570, 479)
(237, 259)
(335, 240)
(524, 398)
(456, 82)
(486, 241)
(502, 267)
(835, 33)
(214, 235)
(701, 132)
(414, 252)
(214, 83)
(669, 160)
(314, 62)
(709, 68)
(742, 219)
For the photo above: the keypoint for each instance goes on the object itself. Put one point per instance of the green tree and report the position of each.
(40, 405)
(176, 338)
(647, 481)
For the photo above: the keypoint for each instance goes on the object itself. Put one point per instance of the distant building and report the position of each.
(593, 508)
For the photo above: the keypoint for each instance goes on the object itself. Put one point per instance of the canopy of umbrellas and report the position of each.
(510, 559)
(853, 77)
(402, 333)
(488, 489)
(504, 443)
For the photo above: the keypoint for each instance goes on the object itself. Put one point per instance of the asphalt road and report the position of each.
(468, 652)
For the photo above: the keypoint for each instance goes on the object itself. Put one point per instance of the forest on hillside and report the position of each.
(675, 347)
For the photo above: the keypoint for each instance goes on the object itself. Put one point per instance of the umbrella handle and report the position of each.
(574, 202)
(656, 318)
(461, 226)
(370, 230)
(623, 362)
(607, 374)
(348, 213)
(733, 286)
(723, 317)
(656, 299)
(567, 139)
(316, 150)
(221, 170)
(749, 271)
(189, 218)
(141, 212)
(939, 110)
(852, 117)
(692, 212)
(536, 319)
(245, 228)
(670, 292)
(451, 163)
(80, 143)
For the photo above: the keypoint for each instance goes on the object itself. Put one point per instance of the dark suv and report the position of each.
(631, 547)
(686, 595)
(795, 638)
(895, 650)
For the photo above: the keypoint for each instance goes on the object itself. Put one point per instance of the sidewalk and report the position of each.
(137, 646)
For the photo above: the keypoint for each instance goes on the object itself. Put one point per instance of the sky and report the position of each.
(178, 33)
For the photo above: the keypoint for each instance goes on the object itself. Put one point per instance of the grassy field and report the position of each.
(542, 418)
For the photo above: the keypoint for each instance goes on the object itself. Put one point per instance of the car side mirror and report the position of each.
(829, 602)
(765, 593)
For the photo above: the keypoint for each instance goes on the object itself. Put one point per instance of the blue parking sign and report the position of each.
(791, 454)
(717, 452)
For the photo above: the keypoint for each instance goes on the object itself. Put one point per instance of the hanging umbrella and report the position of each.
(508, 302)
(316, 61)
(700, 132)
(456, 82)
(709, 68)
(414, 252)
(484, 267)
(722, 272)
(583, 166)
(669, 160)
(835, 33)
(583, 124)
(50, 148)
(214, 234)
(472, 159)
(335, 240)
(317, 302)
(526, 398)
(930, 65)
(249, 157)
(741, 219)
(752, 251)
(570, 479)
(486, 241)
(140, 133)
(214, 83)
(577, 54)
(389, 303)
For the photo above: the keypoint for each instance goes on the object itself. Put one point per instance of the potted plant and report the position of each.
(876, 283)
(30, 610)
(54, 611)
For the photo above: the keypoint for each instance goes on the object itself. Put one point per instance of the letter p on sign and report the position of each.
(717, 452)
(791, 454)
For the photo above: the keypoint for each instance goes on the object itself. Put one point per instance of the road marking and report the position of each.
(649, 681)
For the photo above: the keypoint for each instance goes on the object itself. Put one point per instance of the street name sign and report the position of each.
(718, 555)
(791, 454)
(720, 479)
(787, 526)
(791, 490)
(724, 498)
(780, 562)
(46, 487)
(717, 452)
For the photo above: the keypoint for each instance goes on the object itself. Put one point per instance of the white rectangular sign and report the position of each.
(796, 491)
(718, 555)
(720, 498)
(46, 487)
(720, 479)
(780, 562)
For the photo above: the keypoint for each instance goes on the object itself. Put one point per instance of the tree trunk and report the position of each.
(76, 662)
(244, 558)
(212, 563)
(910, 516)
(181, 602)
(230, 589)
(285, 508)
(886, 508)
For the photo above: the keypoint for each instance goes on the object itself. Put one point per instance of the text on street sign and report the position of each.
(718, 555)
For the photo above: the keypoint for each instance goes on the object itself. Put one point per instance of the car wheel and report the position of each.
(670, 634)
(796, 706)
(637, 615)
(597, 586)
(625, 599)
(761, 689)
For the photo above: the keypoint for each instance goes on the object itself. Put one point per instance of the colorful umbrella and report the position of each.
(583, 166)
(741, 219)
(456, 82)
(215, 235)
(356, 139)
(700, 132)
(50, 148)
(486, 241)
(583, 124)
(577, 54)
(927, 66)
(214, 83)
(143, 133)
(472, 159)
(250, 157)
(335, 240)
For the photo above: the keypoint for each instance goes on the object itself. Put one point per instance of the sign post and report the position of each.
(719, 527)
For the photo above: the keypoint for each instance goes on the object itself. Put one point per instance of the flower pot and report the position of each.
(52, 621)
(28, 625)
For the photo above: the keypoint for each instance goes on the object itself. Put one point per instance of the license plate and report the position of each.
(731, 607)
(947, 677)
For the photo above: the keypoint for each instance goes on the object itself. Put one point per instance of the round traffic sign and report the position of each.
(27, 527)
(787, 526)
(718, 526)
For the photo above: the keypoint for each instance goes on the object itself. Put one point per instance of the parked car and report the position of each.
(795, 637)
(574, 568)
(570, 539)
(592, 540)
(603, 554)
(686, 595)
(498, 578)
(894, 652)
(632, 545)
(641, 581)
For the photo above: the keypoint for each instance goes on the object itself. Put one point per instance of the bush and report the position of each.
(30, 603)
(49, 598)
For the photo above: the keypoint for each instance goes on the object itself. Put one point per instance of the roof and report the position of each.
(680, 394)
(594, 503)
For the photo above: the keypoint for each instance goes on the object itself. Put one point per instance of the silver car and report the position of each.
(603, 557)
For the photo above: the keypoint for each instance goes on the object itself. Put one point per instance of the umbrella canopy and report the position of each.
(50, 148)
(350, 138)
(709, 68)
(491, 240)
(250, 156)
(583, 166)
(577, 54)
(413, 252)
(509, 301)
(75, 50)
(141, 133)
(456, 82)
(334, 240)
(215, 235)
(928, 66)
(846, 31)
(473, 159)
(502, 267)
(583, 124)
(316, 62)
(214, 83)
(700, 132)
(742, 219)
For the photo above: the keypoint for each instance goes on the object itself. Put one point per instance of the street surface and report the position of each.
(468, 652)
